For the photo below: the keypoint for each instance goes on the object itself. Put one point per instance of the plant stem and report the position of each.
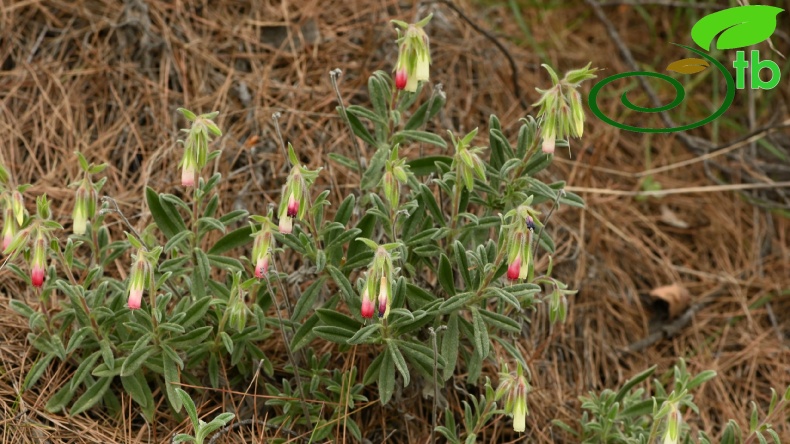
(287, 344)
(333, 76)
(81, 298)
(276, 119)
(778, 408)
(435, 380)
(554, 206)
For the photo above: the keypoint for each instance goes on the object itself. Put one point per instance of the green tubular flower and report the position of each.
(514, 387)
(18, 207)
(237, 308)
(467, 161)
(9, 228)
(84, 207)
(674, 422)
(395, 174)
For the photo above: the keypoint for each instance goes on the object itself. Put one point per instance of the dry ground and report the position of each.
(105, 78)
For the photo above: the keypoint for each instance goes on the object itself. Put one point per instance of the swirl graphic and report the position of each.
(680, 94)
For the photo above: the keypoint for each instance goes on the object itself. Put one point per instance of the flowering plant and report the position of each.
(429, 266)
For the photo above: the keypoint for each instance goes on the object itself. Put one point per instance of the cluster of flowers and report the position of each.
(561, 116)
(561, 111)
(21, 230)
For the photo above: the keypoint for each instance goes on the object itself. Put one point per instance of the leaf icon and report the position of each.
(740, 26)
(688, 66)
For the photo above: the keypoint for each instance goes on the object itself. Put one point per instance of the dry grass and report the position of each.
(105, 79)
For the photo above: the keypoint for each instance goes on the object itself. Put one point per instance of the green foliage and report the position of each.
(631, 415)
(424, 240)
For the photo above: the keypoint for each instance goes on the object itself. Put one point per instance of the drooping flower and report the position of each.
(674, 423)
(549, 141)
(519, 237)
(293, 206)
(188, 175)
(262, 267)
(84, 207)
(261, 248)
(297, 190)
(514, 387)
(39, 262)
(414, 55)
(196, 153)
(138, 279)
(286, 224)
(9, 228)
(560, 107)
(237, 306)
(18, 207)
(384, 299)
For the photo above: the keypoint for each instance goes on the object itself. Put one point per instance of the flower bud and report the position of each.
(286, 223)
(674, 421)
(9, 228)
(293, 206)
(237, 307)
(514, 269)
(261, 248)
(262, 267)
(577, 113)
(188, 170)
(39, 262)
(18, 207)
(549, 142)
(391, 189)
(384, 299)
(140, 275)
(84, 207)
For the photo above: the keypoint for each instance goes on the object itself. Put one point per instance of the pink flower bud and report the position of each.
(188, 176)
(39, 261)
(367, 307)
(141, 274)
(135, 297)
(262, 267)
(7, 238)
(514, 269)
(548, 145)
(293, 206)
(401, 78)
(37, 276)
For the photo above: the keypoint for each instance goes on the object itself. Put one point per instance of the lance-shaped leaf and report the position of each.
(739, 27)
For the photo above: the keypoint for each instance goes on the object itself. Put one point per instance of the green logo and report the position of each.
(736, 28)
